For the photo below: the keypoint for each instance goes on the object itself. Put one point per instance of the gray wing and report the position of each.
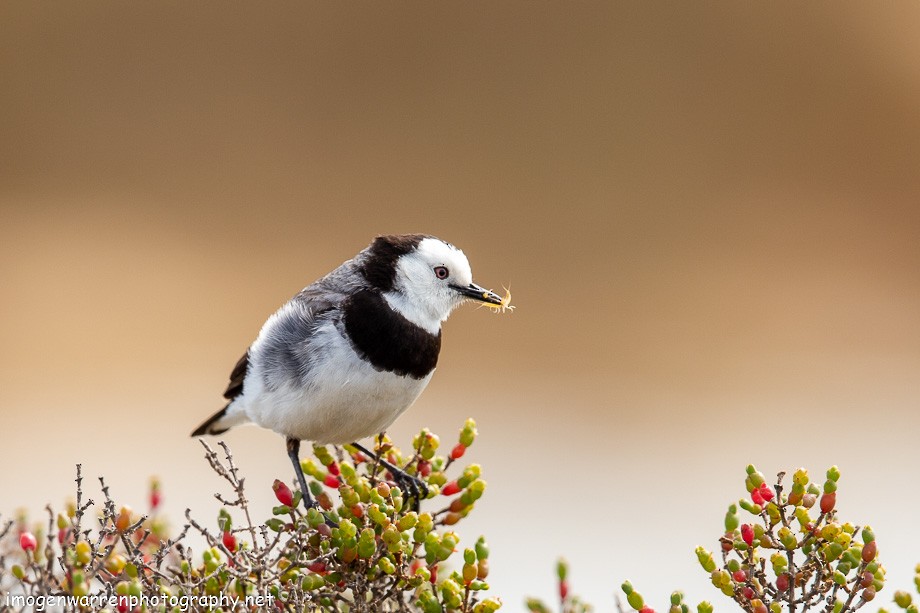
(288, 344)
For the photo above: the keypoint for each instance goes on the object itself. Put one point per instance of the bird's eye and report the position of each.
(441, 272)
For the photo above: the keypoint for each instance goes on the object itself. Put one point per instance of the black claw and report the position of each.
(415, 487)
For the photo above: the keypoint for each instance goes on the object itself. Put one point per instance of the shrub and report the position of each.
(366, 551)
(788, 552)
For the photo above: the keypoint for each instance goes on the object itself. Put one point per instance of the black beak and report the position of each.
(481, 294)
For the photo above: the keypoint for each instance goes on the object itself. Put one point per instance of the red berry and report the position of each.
(828, 501)
(450, 489)
(646, 609)
(766, 492)
(334, 468)
(782, 582)
(458, 451)
(740, 576)
(563, 589)
(757, 497)
(434, 574)
(122, 604)
(424, 468)
(358, 510)
(317, 566)
(283, 493)
(27, 541)
(155, 499)
(229, 540)
(869, 551)
(331, 481)
(748, 593)
(747, 534)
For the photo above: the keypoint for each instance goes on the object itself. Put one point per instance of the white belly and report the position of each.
(345, 400)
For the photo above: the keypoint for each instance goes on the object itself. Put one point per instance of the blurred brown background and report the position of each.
(708, 213)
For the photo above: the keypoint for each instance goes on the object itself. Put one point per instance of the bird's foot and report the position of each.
(416, 489)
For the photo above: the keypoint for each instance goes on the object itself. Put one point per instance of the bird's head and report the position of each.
(423, 277)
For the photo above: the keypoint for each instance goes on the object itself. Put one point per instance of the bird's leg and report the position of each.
(293, 449)
(415, 486)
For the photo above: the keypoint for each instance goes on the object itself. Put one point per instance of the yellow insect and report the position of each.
(505, 304)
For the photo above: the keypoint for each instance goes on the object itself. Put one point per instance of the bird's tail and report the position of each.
(221, 421)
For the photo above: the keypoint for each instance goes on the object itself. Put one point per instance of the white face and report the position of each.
(422, 290)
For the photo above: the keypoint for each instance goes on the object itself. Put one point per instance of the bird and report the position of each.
(348, 354)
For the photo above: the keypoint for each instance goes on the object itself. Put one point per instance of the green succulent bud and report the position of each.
(425, 522)
(470, 474)
(275, 524)
(489, 605)
(450, 540)
(773, 513)
(844, 539)
(833, 473)
(733, 565)
(18, 571)
(779, 562)
(376, 515)
(867, 535)
(348, 527)
(627, 586)
(903, 599)
(635, 600)
(367, 544)
(800, 477)
(676, 597)
(706, 561)
(832, 551)
(482, 548)
(775, 607)
(813, 489)
(838, 606)
(787, 538)
(830, 487)
(830, 532)
(704, 607)
(322, 454)
(348, 471)
(731, 518)
(349, 496)
(468, 433)
(840, 578)
(392, 538)
(386, 565)
(757, 479)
